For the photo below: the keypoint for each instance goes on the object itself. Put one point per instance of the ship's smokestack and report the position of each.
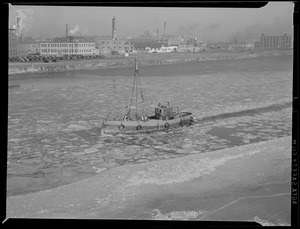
(114, 32)
(67, 30)
(165, 25)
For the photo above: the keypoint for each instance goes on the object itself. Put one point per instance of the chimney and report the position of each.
(114, 32)
(165, 24)
(67, 31)
(157, 32)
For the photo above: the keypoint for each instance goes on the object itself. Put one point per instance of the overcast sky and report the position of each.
(206, 23)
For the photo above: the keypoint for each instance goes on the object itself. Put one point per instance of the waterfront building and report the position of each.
(188, 48)
(175, 41)
(12, 43)
(241, 46)
(202, 46)
(140, 44)
(108, 45)
(162, 49)
(27, 46)
(112, 44)
(148, 47)
(162, 40)
(150, 50)
(256, 44)
(285, 41)
(68, 46)
(165, 49)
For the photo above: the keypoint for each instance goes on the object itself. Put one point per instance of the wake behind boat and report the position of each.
(164, 116)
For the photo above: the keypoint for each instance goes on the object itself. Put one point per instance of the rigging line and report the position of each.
(126, 85)
(142, 96)
(132, 94)
(141, 87)
(136, 94)
(139, 81)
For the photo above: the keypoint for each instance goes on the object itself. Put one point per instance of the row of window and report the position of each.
(67, 44)
(67, 50)
(276, 43)
(115, 43)
(115, 48)
(277, 40)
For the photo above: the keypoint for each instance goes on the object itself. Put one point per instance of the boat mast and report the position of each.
(135, 86)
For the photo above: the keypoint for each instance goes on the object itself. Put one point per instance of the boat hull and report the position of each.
(130, 127)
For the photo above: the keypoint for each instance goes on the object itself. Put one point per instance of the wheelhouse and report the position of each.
(164, 112)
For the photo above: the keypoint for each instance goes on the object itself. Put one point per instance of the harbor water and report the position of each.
(53, 119)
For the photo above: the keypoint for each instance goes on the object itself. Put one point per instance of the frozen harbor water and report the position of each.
(53, 138)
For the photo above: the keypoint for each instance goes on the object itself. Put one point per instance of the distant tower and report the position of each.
(67, 31)
(114, 32)
(165, 25)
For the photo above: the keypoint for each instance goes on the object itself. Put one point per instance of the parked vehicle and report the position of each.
(114, 52)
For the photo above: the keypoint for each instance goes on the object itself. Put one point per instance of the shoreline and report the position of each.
(26, 68)
(195, 186)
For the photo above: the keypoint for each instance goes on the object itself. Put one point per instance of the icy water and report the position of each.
(53, 138)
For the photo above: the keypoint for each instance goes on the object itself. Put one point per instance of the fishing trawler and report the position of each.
(165, 117)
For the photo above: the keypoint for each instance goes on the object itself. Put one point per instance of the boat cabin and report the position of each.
(163, 112)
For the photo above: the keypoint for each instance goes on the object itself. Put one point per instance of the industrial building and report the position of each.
(284, 41)
(71, 47)
(111, 44)
(241, 46)
(175, 41)
(12, 43)
(27, 46)
(68, 45)
(188, 48)
(21, 46)
(108, 46)
(140, 45)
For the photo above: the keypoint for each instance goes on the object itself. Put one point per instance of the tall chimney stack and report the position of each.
(67, 31)
(165, 24)
(114, 32)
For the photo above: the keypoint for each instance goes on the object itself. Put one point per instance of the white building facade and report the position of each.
(67, 48)
(163, 49)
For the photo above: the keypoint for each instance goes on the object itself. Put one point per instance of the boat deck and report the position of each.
(149, 125)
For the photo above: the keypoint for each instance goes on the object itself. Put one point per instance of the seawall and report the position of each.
(24, 68)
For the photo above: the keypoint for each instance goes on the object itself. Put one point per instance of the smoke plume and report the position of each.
(24, 21)
(75, 30)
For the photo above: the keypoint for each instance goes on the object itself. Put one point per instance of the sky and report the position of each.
(207, 24)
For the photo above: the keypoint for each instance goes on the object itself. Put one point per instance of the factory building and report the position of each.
(284, 41)
(145, 47)
(111, 44)
(241, 46)
(12, 43)
(28, 46)
(175, 41)
(188, 48)
(70, 45)
(107, 46)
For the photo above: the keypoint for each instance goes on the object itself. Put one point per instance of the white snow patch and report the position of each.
(266, 223)
(175, 215)
(182, 171)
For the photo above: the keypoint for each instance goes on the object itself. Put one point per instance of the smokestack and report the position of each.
(67, 31)
(165, 24)
(114, 32)
(157, 32)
